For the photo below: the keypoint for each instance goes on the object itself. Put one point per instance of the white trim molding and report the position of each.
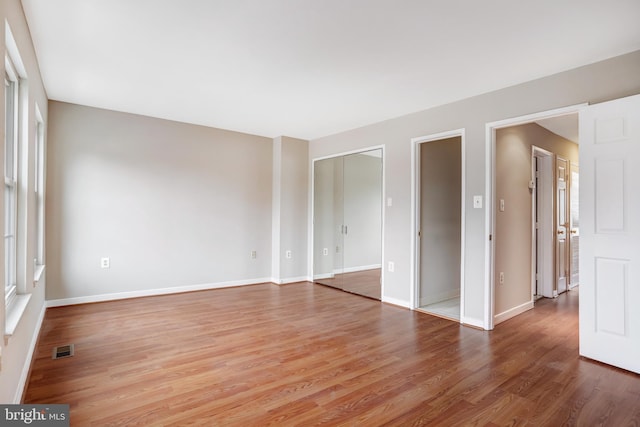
(290, 280)
(154, 292)
(398, 302)
(499, 318)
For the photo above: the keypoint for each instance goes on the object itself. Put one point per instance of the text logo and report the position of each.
(34, 415)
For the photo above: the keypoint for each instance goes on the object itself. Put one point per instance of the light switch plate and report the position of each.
(105, 262)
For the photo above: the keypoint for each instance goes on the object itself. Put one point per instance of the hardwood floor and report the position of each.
(366, 282)
(304, 354)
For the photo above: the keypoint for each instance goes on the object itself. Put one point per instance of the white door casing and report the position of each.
(610, 233)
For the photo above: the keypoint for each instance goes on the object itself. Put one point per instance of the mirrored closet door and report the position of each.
(347, 222)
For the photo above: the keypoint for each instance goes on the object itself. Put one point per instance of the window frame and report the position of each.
(11, 146)
(39, 189)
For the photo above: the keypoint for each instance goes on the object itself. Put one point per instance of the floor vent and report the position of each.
(63, 351)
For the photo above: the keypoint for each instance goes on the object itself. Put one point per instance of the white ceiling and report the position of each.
(310, 68)
(566, 126)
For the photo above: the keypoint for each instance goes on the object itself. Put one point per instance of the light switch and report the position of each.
(105, 262)
(389, 201)
(501, 205)
(477, 202)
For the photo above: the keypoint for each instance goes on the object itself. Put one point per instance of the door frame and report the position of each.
(546, 224)
(415, 215)
(490, 191)
(311, 232)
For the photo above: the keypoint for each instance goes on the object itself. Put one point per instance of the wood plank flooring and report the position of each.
(307, 355)
(365, 282)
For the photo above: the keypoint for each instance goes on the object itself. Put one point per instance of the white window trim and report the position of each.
(39, 188)
(16, 297)
(10, 182)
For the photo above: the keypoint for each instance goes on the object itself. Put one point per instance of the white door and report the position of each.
(610, 233)
(562, 226)
(543, 222)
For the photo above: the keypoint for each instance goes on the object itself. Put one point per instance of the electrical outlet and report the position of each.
(502, 278)
(477, 202)
(287, 254)
(254, 254)
(105, 262)
(391, 266)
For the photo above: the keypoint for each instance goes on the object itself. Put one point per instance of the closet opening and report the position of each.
(439, 200)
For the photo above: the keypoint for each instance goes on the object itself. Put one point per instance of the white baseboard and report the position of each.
(154, 292)
(24, 376)
(440, 296)
(506, 315)
(291, 280)
(476, 323)
(324, 276)
(359, 268)
(398, 302)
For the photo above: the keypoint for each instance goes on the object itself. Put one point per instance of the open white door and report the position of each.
(610, 233)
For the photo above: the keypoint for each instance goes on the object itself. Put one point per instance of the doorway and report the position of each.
(529, 210)
(439, 223)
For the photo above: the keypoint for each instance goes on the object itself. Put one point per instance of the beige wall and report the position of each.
(513, 242)
(16, 350)
(440, 219)
(611, 79)
(173, 205)
(290, 209)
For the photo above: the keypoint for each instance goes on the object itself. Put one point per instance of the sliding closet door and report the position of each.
(347, 223)
(328, 222)
(362, 186)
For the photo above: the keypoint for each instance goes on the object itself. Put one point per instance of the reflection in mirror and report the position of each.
(327, 222)
(348, 222)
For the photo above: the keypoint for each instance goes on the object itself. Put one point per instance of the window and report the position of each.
(39, 190)
(11, 86)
